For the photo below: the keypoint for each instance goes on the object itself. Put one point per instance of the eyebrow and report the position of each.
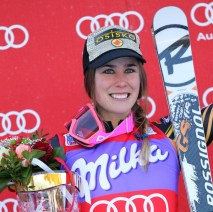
(113, 66)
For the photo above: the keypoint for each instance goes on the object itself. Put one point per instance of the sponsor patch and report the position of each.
(150, 131)
(69, 141)
(114, 34)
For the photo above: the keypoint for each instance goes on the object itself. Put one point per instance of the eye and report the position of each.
(109, 71)
(129, 70)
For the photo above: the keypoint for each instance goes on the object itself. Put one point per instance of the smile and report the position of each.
(119, 96)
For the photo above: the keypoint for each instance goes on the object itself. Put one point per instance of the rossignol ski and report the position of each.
(172, 41)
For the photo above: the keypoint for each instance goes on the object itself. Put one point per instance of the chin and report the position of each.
(122, 111)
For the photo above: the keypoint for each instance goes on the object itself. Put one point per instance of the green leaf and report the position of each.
(3, 161)
(3, 183)
(13, 142)
(34, 154)
(58, 152)
(12, 154)
(17, 164)
(26, 172)
(26, 154)
(39, 135)
(4, 173)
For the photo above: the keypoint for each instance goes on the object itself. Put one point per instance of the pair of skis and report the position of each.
(172, 41)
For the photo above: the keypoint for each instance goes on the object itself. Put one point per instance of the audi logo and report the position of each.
(205, 95)
(129, 204)
(153, 106)
(9, 36)
(3, 204)
(6, 122)
(208, 14)
(109, 20)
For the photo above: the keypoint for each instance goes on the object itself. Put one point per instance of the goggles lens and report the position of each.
(85, 124)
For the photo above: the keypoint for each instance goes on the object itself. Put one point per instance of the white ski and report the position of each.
(171, 36)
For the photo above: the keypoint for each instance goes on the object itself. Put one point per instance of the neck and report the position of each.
(115, 120)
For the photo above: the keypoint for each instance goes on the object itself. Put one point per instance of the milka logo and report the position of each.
(175, 53)
(110, 167)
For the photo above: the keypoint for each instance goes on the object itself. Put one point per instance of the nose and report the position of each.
(120, 80)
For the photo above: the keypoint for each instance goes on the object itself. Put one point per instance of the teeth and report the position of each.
(119, 96)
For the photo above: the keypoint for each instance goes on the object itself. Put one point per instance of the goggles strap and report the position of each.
(126, 126)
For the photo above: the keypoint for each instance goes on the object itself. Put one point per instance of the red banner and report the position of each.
(41, 73)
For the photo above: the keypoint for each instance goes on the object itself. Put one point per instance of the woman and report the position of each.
(128, 163)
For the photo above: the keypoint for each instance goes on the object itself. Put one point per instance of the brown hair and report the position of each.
(139, 112)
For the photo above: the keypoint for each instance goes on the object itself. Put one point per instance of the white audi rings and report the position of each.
(153, 107)
(20, 122)
(3, 204)
(208, 14)
(205, 95)
(10, 37)
(123, 21)
(147, 204)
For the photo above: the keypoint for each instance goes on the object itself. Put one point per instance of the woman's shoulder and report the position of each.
(158, 133)
(164, 125)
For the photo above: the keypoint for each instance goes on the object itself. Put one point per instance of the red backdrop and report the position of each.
(40, 60)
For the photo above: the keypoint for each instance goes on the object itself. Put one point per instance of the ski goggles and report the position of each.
(85, 126)
(88, 130)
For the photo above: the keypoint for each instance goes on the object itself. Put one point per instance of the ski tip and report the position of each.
(169, 15)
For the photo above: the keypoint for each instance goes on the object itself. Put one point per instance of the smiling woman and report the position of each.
(111, 144)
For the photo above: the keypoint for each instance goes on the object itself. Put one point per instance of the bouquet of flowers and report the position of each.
(16, 154)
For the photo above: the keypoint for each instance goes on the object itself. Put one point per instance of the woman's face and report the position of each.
(117, 85)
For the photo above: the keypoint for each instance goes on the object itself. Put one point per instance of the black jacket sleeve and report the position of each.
(165, 124)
